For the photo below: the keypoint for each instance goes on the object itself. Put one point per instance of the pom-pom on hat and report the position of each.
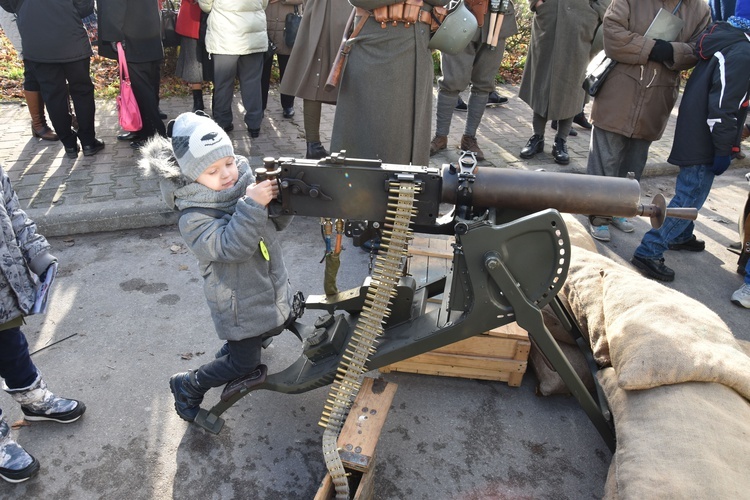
(197, 142)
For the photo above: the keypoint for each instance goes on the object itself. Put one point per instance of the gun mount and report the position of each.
(510, 259)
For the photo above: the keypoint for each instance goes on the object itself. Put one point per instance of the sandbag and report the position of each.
(549, 381)
(688, 440)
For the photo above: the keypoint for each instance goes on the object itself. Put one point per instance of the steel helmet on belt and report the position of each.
(456, 30)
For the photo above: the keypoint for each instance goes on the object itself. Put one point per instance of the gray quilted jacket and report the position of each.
(247, 294)
(24, 255)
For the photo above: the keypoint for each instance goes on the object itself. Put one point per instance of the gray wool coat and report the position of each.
(24, 255)
(315, 49)
(561, 36)
(385, 95)
(248, 295)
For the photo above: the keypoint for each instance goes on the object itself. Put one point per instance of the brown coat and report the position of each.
(276, 13)
(638, 95)
(561, 37)
(317, 44)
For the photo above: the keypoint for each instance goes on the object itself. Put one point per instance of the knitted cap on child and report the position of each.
(198, 141)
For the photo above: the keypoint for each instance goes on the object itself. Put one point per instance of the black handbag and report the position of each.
(596, 73)
(291, 26)
(169, 37)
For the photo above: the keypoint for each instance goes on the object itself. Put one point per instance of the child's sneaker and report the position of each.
(601, 233)
(741, 297)
(16, 465)
(38, 403)
(623, 224)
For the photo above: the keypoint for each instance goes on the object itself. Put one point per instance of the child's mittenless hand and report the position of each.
(263, 192)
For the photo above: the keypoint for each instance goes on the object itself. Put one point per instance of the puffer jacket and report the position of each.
(235, 27)
(24, 255)
(52, 32)
(247, 294)
(714, 104)
(638, 95)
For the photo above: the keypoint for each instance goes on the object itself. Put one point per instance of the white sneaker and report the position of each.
(623, 224)
(742, 296)
(601, 233)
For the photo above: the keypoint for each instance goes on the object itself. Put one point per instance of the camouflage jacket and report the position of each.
(24, 255)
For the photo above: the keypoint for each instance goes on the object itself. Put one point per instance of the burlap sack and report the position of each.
(684, 441)
(659, 336)
(582, 292)
(579, 235)
(555, 327)
(549, 381)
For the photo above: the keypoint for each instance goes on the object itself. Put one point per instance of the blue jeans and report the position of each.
(16, 367)
(691, 190)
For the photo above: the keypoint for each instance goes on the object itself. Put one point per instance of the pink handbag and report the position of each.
(127, 107)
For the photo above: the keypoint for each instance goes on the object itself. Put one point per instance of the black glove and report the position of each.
(662, 52)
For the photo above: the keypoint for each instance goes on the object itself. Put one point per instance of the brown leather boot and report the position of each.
(438, 143)
(39, 126)
(469, 143)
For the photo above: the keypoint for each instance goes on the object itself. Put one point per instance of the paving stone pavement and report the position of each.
(107, 192)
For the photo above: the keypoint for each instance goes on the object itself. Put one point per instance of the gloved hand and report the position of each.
(662, 52)
(721, 164)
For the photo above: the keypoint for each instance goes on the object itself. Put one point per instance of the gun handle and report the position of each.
(496, 34)
(491, 32)
(335, 75)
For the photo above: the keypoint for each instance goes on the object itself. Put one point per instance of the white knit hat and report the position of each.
(198, 142)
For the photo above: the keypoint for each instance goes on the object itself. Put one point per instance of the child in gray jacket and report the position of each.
(225, 222)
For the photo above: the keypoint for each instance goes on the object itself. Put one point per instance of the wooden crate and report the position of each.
(500, 354)
(359, 437)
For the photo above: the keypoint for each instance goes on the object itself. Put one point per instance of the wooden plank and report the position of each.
(483, 345)
(326, 490)
(511, 331)
(362, 427)
(428, 252)
(365, 490)
(450, 371)
(431, 359)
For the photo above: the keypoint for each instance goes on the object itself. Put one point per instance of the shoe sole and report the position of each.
(739, 303)
(66, 418)
(623, 229)
(650, 273)
(599, 238)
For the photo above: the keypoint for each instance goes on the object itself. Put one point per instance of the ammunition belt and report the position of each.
(386, 273)
(408, 12)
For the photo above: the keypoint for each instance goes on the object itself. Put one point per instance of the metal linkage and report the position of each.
(369, 327)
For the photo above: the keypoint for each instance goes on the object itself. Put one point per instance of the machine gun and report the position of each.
(510, 259)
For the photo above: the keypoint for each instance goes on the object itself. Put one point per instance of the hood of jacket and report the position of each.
(179, 192)
(717, 38)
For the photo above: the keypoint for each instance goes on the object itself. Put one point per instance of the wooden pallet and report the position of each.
(359, 438)
(500, 354)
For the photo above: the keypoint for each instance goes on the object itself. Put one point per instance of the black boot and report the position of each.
(198, 100)
(315, 151)
(560, 151)
(188, 394)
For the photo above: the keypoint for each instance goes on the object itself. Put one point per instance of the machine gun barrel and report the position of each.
(572, 193)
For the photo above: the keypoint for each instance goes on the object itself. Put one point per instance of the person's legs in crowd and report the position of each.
(691, 190)
(249, 70)
(311, 112)
(287, 101)
(35, 104)
(82, 93)
(142, 77)
(560, 147)
(225, 71)
(54, 89)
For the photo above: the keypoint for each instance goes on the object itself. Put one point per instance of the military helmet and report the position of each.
(456, 30)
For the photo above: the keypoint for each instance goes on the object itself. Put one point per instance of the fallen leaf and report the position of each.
(20, 423)
(183, 267)
(187, 355)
